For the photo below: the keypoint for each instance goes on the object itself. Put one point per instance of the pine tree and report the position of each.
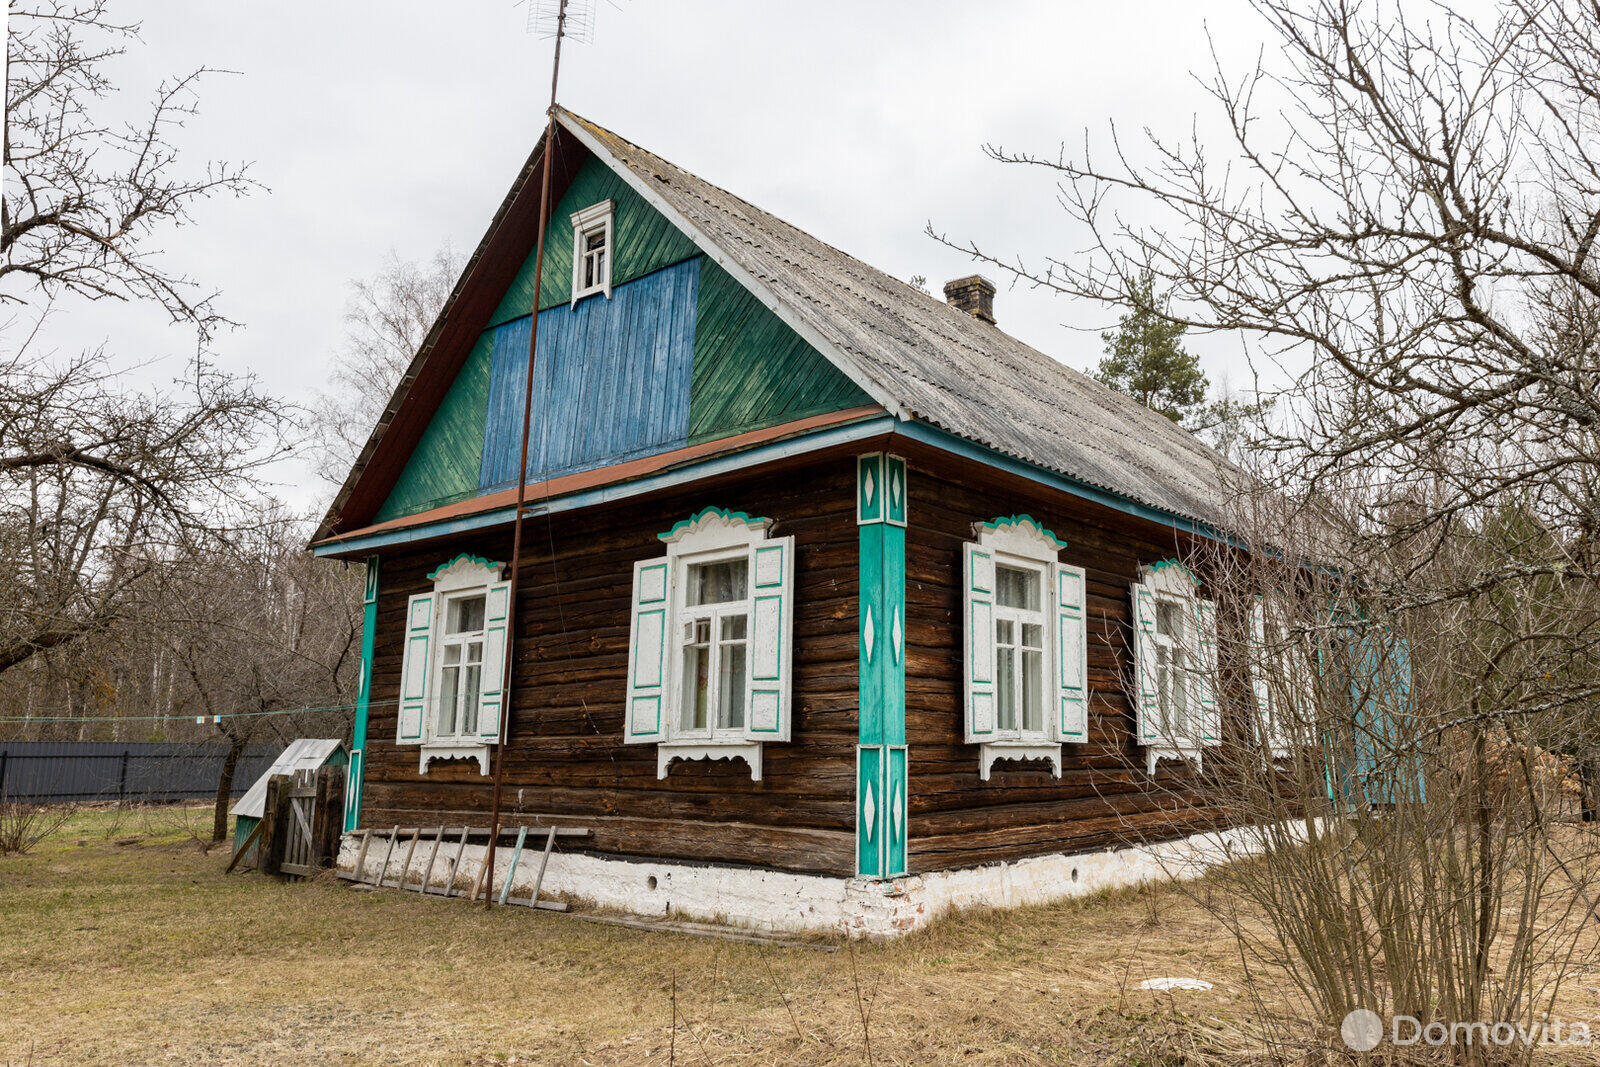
(1145, 359)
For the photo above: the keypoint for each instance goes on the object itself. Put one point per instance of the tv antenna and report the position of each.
(558, 20)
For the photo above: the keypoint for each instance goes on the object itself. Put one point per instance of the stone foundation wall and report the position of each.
(784, 903)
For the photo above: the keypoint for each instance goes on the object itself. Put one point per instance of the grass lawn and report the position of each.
(121, 941)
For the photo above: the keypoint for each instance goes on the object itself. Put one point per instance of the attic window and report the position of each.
(591, 251)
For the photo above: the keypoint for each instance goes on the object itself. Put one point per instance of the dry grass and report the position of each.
(142, 951)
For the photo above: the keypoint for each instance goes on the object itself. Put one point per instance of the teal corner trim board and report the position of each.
(882, 803)
(358, 736)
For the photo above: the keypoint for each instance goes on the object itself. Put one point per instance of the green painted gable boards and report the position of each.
(750, 369)
(444, 466)
(645, 242)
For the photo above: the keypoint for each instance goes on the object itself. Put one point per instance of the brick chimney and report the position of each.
(973, 294)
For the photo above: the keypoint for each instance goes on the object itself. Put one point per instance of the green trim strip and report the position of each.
(881, 798)
(358, 736)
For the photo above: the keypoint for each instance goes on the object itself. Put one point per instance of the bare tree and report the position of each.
(99, 487)
(1400, 207)
(267, 639)
(1399, 191)
(85, 195)
(388, 317)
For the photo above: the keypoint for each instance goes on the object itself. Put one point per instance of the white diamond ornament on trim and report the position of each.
(868, 634)
(870, 810)
(894, 489)
(868, 486)
(897, 813)
(895, 635)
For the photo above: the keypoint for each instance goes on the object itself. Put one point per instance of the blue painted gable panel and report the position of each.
(611, 380)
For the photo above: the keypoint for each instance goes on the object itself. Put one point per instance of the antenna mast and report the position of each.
(538, 10)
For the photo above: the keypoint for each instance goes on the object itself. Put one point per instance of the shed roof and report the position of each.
(303, 754)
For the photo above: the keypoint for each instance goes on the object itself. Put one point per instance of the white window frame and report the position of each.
(1282, 675)
(683, 614)
(654, 707)
(464, 640)
(596, 218)
(1018, 617)
(1019, 542)
(1172, 584)
(1178, 702)
(462, 577)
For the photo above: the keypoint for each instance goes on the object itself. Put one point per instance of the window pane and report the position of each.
(1016, 588)
(696, 663)
(452, 655)
(730, 686)
(1005, 683)
(472, 688)
(1169, 619)
(718, 583)
(466, 615)
(1032, 635)
(734, 627)
(1032, 690)
(449, 681)
(1005, 631)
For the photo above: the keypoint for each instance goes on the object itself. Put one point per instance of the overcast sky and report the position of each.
(399, 125)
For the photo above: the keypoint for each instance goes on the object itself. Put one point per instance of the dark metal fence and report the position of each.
(69, 771)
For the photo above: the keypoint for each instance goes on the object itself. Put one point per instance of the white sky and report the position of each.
(400, 125)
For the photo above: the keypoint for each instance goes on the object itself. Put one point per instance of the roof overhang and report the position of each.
(813, 438)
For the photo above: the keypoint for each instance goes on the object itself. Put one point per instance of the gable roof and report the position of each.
(917, 356)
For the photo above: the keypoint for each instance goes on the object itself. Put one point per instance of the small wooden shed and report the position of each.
(305, 754)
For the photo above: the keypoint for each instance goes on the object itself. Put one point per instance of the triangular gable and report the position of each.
(488, 273)
(715, 362)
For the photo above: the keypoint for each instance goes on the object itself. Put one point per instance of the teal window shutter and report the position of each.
(1072, 652)
(647, 651)
(978, 629)
(493, 699)
(415, 669)
(1206, 666)
(1147, 709)
(771, 640)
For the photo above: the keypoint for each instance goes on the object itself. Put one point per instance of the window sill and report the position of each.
(749, 751)
(1153, 755)
(991, 751)
(599, 290)
(454, 750)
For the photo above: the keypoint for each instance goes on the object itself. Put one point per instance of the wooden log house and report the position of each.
(829, 585)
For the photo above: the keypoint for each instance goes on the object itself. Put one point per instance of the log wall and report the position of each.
(566, 761)
(1104, 797)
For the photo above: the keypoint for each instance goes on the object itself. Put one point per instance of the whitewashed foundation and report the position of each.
(779, 902)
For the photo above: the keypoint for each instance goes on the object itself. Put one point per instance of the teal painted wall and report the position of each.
(243, 827)
(645, 242)
(444, 466)
(751, 370)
